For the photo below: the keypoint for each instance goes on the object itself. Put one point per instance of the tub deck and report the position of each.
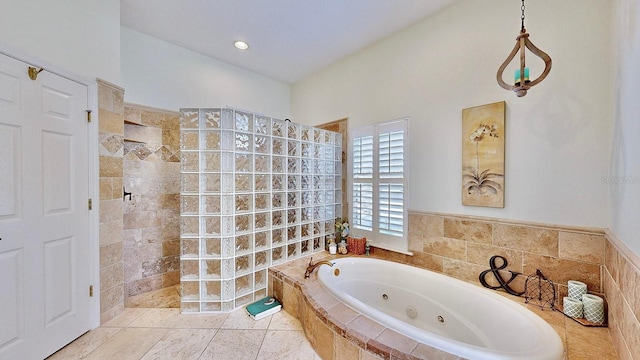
(338, 332)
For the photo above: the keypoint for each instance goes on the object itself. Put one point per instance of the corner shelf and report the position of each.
(129, 122)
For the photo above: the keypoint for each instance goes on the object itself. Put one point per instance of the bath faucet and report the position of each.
(312, 266)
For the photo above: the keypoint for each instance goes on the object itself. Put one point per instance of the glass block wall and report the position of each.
(255, 192)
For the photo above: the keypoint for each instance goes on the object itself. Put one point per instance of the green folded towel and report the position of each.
(263, 308)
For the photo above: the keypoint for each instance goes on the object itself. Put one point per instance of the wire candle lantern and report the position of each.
(540, 291)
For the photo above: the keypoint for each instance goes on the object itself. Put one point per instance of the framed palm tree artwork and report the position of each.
(483, 135)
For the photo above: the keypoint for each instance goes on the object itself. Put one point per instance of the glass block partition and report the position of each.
(255, 192)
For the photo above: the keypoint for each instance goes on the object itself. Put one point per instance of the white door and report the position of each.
(44, 218)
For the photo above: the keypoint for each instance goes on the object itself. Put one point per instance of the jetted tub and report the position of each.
(440, 311)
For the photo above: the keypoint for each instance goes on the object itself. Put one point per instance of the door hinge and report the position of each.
(90, 290)
(90, 204)
(88, 115)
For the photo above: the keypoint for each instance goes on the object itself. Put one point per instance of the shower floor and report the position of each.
(168, 297)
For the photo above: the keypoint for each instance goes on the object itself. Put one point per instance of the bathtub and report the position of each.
(440, 311)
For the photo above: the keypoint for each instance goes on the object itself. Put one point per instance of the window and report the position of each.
(378, 183)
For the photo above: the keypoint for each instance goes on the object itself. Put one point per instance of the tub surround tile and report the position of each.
(581, 247)
(364, 355)
(345, 349)
(433, 226)
(426, 261)
(463, 270)
(529, 239)
(423, 351)
(362, 329)
(291, 296)
(446, 247)
(339, 316)
(468, 230)
(393, 343)
(631, 328)
(561, 271)
(480, 254)
(578, 336)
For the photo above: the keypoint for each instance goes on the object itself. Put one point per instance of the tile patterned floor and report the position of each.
(164, 333)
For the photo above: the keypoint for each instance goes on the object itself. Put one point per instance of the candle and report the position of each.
(517, 76)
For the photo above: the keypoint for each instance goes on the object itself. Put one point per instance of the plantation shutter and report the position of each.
(362, 204)
(379, 183)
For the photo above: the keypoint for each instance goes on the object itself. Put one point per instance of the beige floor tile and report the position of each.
(128, 344)
(200, 321)
(238, 319)
(234, 344)
(181, 344)
(85, 344)
(167, 297)
(286, 345)
(282, 320)
(126, 318)
(157, 318)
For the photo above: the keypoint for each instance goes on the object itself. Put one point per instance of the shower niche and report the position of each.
(254, 192)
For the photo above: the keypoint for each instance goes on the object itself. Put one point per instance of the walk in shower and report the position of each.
(255, 192)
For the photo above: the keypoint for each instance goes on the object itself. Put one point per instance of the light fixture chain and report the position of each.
(522, 16)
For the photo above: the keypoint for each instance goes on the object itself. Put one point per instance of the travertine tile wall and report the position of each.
(461, 246)
(621, 278)
(151, 235)
(111, 130)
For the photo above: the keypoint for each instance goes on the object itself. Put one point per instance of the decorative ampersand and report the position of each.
(495, 270)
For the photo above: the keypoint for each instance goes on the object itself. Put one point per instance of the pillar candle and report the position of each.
(593, 308)
(577, 289)
(517, 75)
(572, 307)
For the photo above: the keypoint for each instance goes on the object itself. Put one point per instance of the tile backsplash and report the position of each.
(461, 246)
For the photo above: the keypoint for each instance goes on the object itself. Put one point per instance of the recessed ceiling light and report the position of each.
(241, 45)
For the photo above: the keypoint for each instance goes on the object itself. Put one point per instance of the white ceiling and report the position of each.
(288, 39)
